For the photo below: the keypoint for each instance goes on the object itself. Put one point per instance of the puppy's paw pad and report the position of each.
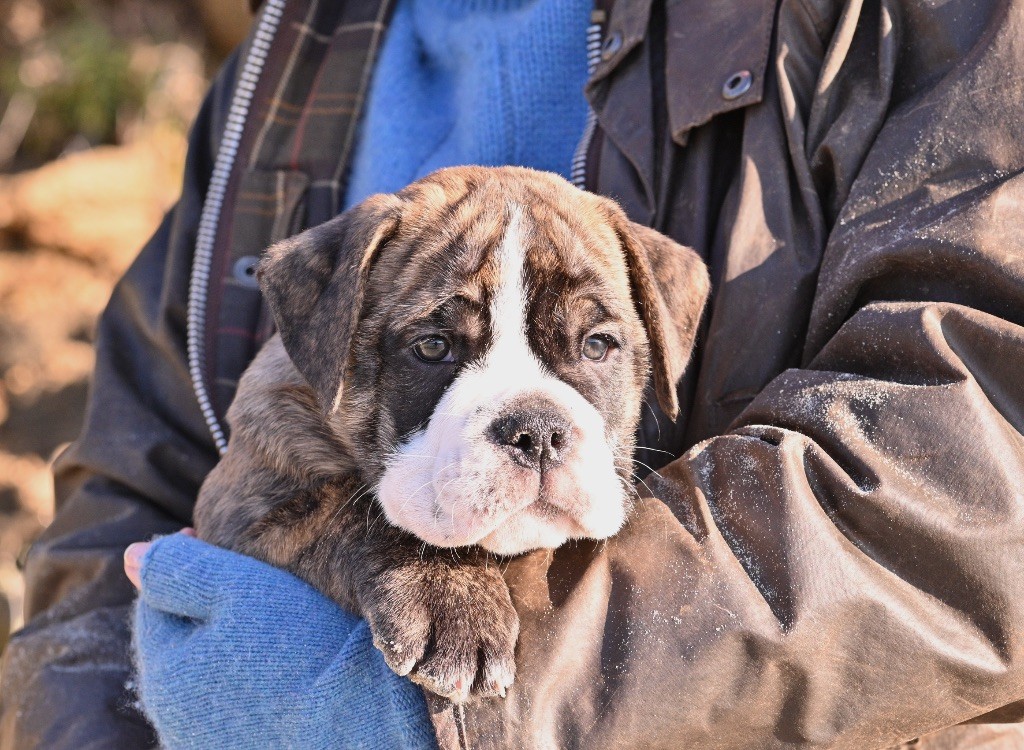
(452, 630)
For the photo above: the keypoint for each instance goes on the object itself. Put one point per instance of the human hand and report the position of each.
(134, 553)
(234, 653)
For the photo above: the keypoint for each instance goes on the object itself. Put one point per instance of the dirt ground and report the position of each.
(68, 230)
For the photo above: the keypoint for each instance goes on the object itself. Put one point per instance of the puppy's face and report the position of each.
(503, 372)
(495, 351)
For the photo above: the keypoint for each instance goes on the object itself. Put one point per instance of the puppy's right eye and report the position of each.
(595, 348)
(433, 349)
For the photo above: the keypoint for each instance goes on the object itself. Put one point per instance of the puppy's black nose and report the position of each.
(535, 438)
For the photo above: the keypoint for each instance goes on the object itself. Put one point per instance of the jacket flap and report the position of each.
(721, 49)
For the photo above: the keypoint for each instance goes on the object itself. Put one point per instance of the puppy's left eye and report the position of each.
(595, 348)
(433, 349)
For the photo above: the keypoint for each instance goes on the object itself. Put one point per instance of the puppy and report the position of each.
(459, 373)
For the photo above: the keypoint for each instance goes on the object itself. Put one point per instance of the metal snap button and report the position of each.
(737, 84)
(611, 46)
(244, 271)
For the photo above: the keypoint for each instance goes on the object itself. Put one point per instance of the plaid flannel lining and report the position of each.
(299, 141)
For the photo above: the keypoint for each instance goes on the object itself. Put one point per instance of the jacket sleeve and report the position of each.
(844, 567)
(133, 472)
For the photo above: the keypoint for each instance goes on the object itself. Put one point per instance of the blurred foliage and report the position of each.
(81, 73)
(80, 79)
(110, 87)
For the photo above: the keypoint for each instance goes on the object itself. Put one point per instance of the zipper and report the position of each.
(209, 219)
(578, 168)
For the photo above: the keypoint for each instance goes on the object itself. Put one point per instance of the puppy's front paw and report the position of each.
(450, 628)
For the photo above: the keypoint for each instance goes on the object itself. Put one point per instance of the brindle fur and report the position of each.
(295, 486)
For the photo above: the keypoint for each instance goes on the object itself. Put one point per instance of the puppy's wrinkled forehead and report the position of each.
(450, 245)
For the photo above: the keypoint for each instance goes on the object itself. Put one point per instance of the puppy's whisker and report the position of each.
(412, 495)
(650, 469)
(657, 422)
(437, 502)
(629, 487)
(653, 493)
(655, 450)
(369, 509)
(622, 451)
(380, 514)
(448, 415)
(359, 492)
(321, 540)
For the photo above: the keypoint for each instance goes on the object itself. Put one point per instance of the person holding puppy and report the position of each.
(830, 552)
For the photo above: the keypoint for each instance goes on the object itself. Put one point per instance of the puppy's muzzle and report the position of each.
(535, 436)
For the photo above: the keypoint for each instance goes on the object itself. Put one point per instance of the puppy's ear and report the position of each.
(670, 284)
(314, 284)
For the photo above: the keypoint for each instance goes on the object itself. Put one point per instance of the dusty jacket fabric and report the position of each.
(832, 553)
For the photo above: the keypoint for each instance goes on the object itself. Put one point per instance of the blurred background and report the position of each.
(96, 97)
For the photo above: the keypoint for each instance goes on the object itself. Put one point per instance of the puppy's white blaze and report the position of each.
(510, 351)
(451, 486)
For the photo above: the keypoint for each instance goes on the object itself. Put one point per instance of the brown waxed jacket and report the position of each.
(836, 557)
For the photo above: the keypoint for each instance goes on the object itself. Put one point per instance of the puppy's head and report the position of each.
(480, 341)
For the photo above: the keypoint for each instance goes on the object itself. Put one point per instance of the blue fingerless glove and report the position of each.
(233, 653)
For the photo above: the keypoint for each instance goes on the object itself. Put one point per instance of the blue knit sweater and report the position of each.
(488, 82)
